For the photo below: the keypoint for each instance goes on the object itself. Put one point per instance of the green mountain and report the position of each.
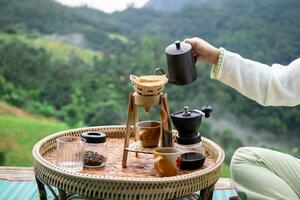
(171, 5)
(50, 17)
(250, 27)
(59, 49)
(262, 30)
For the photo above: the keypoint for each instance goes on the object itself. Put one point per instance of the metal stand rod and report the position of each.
(52, 191)
(207, 193)
(62, 194)
(41, 188)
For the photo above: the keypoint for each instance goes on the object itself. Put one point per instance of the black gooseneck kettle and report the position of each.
(181, 64)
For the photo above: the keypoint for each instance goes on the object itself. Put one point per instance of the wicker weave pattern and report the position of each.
(110, 187)
(148, 90)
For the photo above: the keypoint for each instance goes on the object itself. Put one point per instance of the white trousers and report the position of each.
(264, 174)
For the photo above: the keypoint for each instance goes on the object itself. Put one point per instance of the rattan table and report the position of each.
(138, 181)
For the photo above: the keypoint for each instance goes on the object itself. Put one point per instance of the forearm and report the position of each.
(269, 86)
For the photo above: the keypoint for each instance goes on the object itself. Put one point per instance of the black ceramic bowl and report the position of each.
(191, 160)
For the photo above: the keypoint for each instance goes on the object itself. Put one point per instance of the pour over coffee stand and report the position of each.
(135, 100)
(147, 96)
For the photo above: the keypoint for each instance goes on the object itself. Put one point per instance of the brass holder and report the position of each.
(134, 101)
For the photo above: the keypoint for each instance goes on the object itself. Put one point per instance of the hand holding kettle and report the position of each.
(203, 50)
(182, 57)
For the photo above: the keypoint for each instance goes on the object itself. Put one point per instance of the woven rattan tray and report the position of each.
(138, 180)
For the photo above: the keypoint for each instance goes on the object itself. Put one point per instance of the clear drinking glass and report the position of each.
(69, 153)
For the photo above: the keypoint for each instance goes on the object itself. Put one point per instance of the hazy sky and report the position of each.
(108, 6)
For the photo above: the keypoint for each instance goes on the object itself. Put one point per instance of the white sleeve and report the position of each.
(270, 86)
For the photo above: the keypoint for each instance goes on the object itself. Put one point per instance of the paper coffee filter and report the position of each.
(149, 85)
(150, 80)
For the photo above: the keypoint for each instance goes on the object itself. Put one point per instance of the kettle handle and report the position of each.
(159, 71)
(195, 59)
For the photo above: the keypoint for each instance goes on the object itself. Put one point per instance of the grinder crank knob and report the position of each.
(207, 110)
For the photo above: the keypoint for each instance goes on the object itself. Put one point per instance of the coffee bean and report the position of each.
(93, 159)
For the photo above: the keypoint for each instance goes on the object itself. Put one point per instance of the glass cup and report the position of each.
(69, 153)
(148, 132)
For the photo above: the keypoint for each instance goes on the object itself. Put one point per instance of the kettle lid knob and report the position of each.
(178, 48)
(177, 43)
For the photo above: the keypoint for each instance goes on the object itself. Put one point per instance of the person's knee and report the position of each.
(243, 160)
(238, 166)
(252, 172)
(242, 156)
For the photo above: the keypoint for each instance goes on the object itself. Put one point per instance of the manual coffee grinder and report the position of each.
(188, 138)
